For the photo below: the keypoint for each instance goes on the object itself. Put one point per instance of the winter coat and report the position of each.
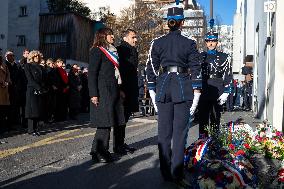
(36, 91)
(74, 92)
(103, 84)
(128, 60)
(4, 79)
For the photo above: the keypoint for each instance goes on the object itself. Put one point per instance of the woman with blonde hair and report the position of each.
(34, 111)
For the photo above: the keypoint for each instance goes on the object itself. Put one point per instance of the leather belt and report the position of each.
(177, 69)
(212, 76)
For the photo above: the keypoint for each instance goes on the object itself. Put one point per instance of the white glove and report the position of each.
(153, 97)
(223, 98)
(194, 103)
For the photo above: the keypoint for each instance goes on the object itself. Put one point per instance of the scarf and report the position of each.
(112, 55)
(63, 75)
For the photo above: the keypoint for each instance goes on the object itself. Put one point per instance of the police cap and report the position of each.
(175, 13)
(211, 36)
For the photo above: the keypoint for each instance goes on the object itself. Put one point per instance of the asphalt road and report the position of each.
(59, 158)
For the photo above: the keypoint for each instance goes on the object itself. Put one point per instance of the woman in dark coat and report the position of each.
(5, 81)
(75, 87)
(36, 90)
(106, 109)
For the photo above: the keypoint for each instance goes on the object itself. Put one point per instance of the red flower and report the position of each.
(281, 173)
(240, 152)
(278, 133)
(231, 146)
(247, 146)
(194, 161)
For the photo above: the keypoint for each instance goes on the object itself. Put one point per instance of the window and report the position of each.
(23, 11)
(21, 40)
(55, 38)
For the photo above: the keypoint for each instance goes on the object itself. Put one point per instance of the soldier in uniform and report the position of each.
(216, 82)
(176, 91)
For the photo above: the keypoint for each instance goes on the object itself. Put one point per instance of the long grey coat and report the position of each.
(34, 103)
(103, 84)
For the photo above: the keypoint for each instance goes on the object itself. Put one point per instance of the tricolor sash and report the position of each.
(111, 56)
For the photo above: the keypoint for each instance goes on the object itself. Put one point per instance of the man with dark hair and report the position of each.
(22, 87)
(128, 59)
(174, 74)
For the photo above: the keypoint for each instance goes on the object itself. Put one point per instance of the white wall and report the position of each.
(250, 27)
(28, 25)
(237, 61)
(279, 68)
(4, 25)
(260, 72)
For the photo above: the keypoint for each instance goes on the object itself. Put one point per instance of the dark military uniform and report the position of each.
(170, 59)
(216, 80)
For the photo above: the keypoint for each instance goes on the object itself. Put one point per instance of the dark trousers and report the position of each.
(172, 127)
(61, 106)
(51, 105)
(230, 102)
(102, 136)
(209, 114)
(32, 125)
(101, 140)
(119, 131)
(4, 112)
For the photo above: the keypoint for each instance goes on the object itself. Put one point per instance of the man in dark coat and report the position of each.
(75, 87)
(128, 59)
(85, 98)
(60, 85)
(14, 113)
(22, 87)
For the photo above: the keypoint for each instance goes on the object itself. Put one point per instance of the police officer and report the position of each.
(216, 82)
(176, 91)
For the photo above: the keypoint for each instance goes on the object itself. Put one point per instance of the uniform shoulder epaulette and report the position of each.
(188, 36)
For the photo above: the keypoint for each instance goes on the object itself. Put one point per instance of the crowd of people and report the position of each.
(184, 80)
(35, 90)
(241, 96)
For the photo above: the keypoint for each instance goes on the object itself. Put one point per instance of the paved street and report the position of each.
(60, 158)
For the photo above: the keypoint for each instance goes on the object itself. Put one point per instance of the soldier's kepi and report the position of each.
(170, 58)
(217, 80)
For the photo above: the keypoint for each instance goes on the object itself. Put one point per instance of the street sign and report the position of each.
(270, 6)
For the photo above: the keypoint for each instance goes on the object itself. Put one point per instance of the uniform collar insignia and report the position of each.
(211, 52)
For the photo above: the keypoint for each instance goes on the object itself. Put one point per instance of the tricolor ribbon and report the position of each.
(236, 173)
(232, 127)
(201, 150)
(111, 56)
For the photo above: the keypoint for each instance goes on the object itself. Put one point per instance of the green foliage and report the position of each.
(69, 6)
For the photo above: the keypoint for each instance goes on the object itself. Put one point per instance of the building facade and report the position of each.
(23, 25)
(19, 26)
(259, 46)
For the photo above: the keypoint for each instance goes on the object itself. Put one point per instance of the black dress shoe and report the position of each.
(105, 157)
(120, 150)
(127, 148)
(35, 134)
